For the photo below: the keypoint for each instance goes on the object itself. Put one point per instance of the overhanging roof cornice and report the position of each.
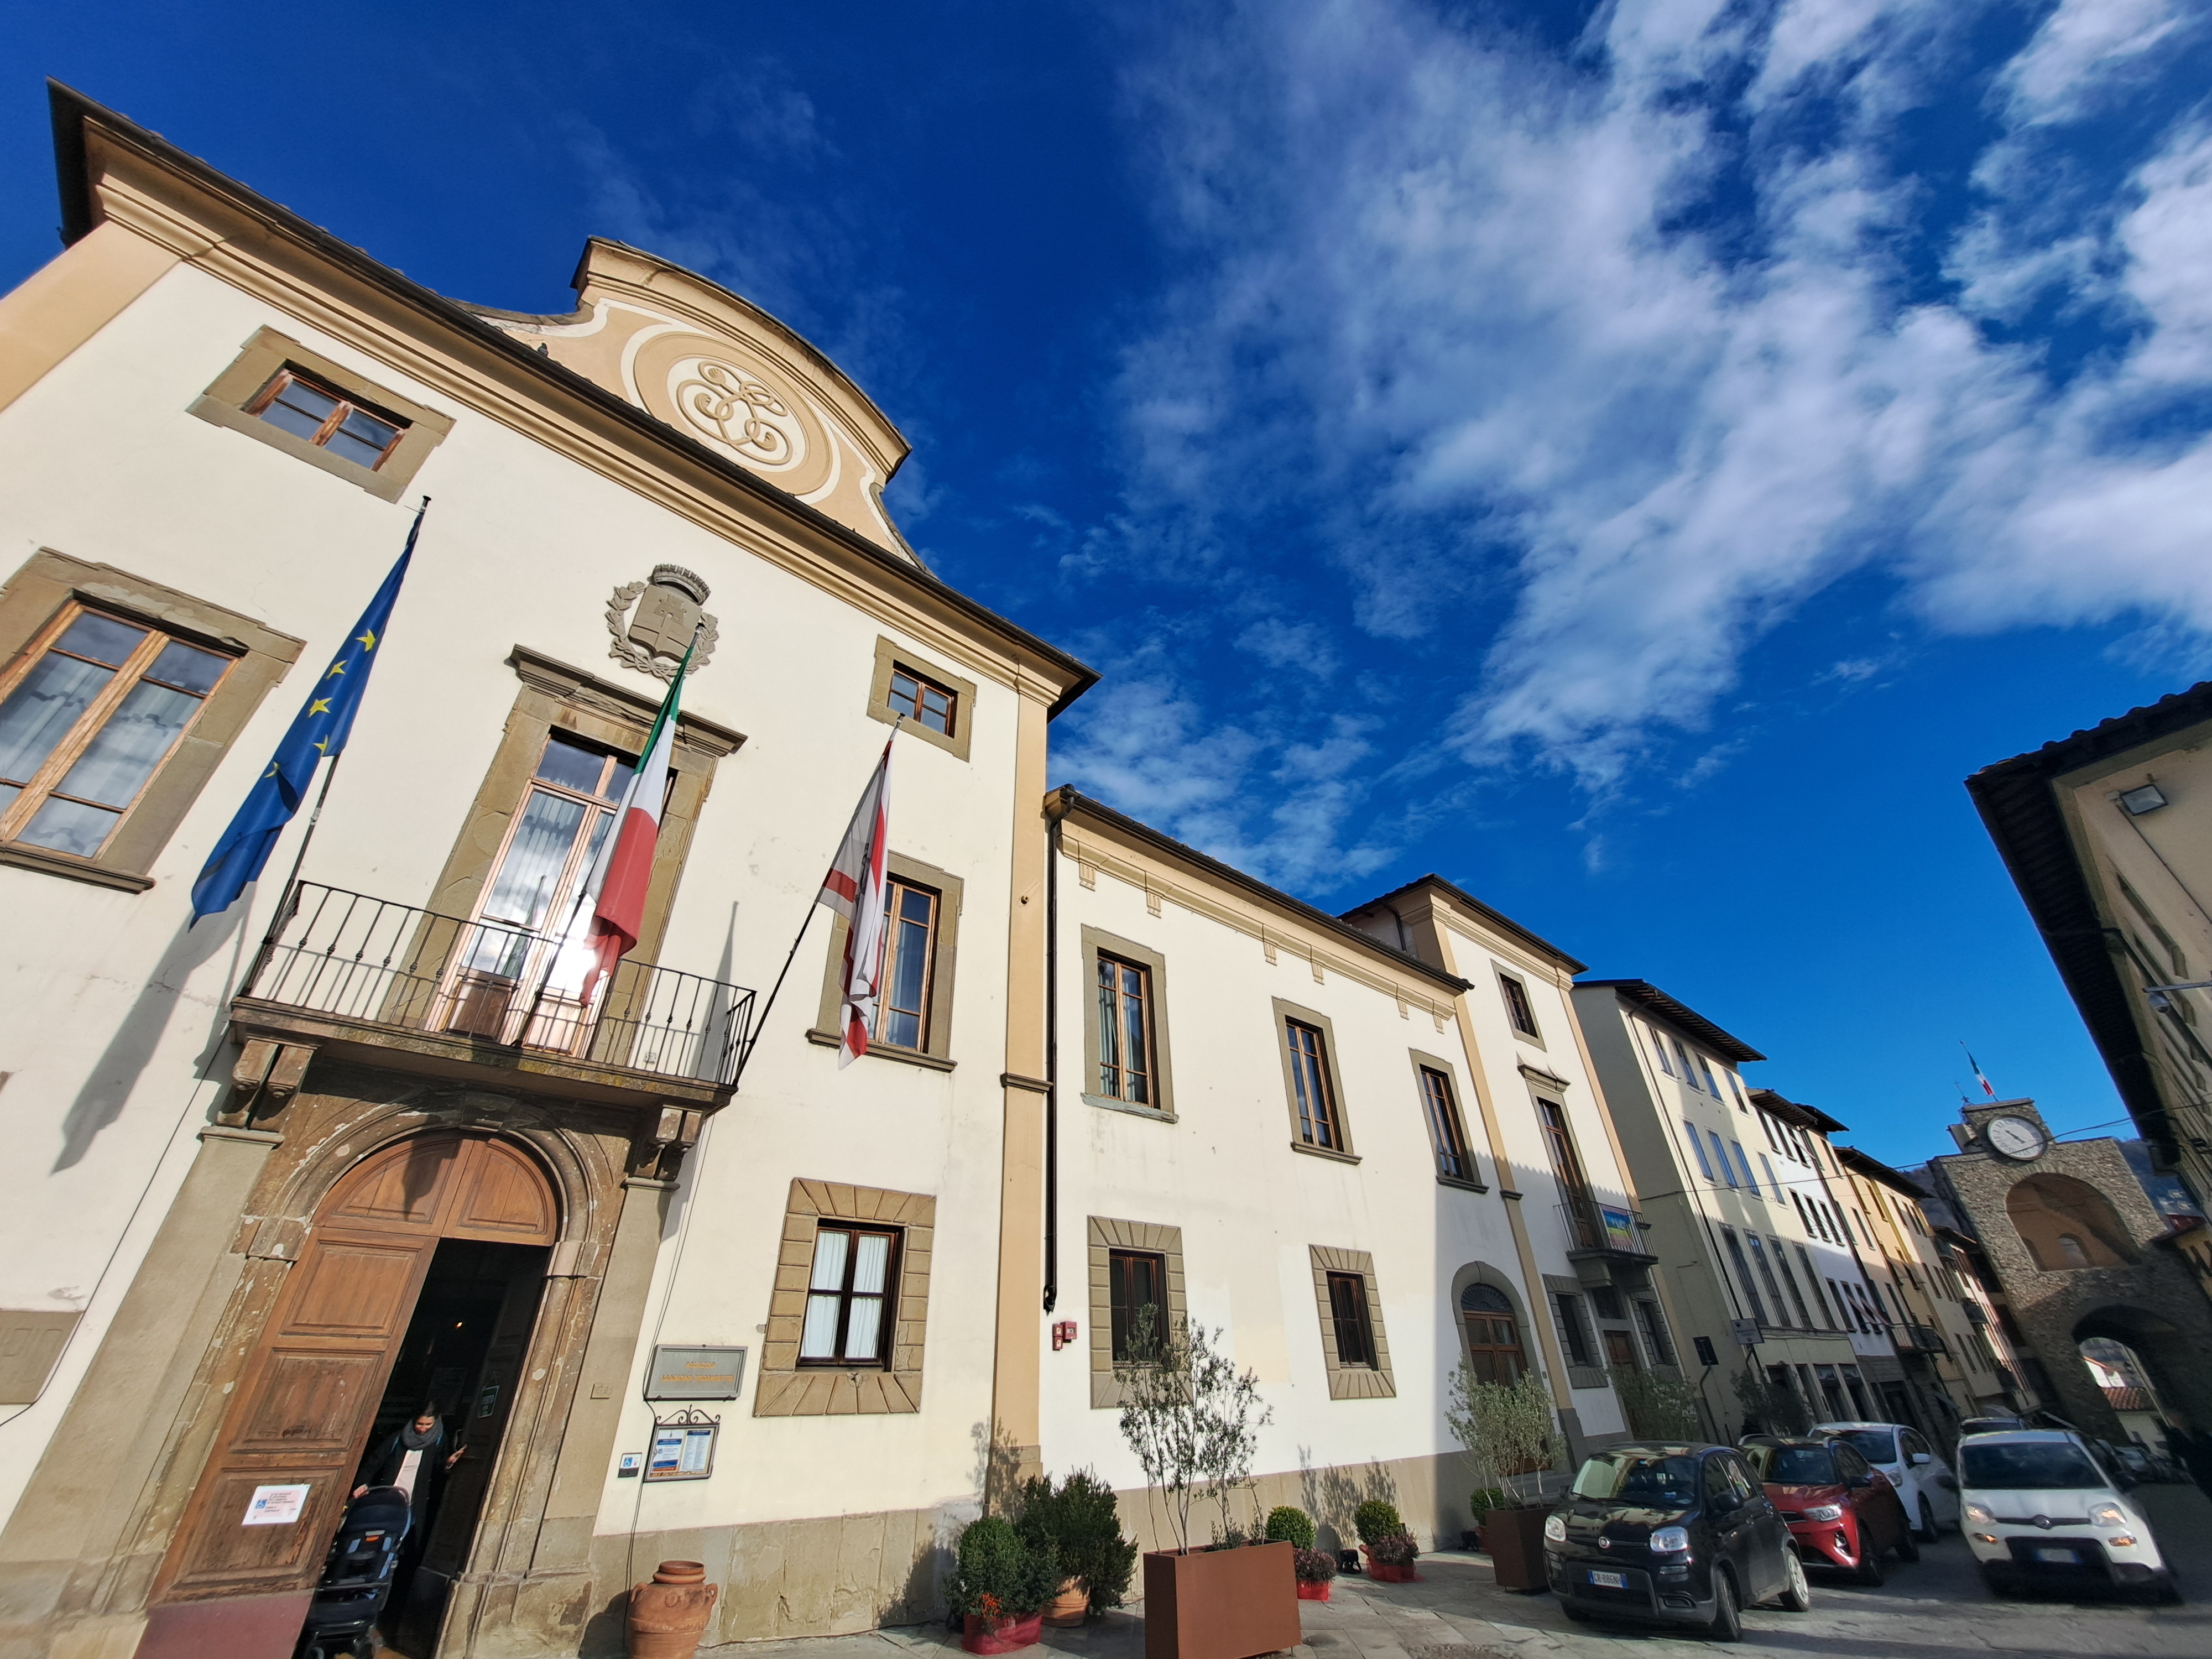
(76, 117)
(1467, 902)
(1688, 1020)
(1067, 802)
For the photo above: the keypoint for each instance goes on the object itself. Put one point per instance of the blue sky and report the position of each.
(1634, 459)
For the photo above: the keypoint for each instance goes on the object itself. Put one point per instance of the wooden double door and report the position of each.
(252, 1539)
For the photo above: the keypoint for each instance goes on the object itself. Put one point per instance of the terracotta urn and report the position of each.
(1071, 1607)
(981, 1635)
(668, 1616)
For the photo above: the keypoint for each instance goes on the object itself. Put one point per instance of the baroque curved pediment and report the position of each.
(721, 370)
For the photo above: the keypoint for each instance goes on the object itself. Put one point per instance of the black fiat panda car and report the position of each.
(1671, 1533)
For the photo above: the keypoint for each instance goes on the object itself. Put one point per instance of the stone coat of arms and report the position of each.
(652, 621)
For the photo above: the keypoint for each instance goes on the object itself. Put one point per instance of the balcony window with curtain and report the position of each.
(851, 1297)
(532, 930)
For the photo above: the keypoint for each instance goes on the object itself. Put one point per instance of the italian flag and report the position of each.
(625, 866)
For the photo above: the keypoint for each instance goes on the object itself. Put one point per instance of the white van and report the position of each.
(2040, 1510)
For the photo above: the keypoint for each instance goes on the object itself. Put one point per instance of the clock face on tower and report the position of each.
(2016, 1138)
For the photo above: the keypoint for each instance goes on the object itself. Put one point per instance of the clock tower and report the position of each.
(2079, 1251)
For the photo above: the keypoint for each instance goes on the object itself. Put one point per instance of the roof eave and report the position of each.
(1676, 1012)
(72, 111)
(1497, 918)
(1067, 801)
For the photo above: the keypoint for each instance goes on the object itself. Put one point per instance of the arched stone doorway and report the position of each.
(2171, 1358)
(458, 1209)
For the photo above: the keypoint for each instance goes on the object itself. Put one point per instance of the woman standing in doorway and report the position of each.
(411, 1458)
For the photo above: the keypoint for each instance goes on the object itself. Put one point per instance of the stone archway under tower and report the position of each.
(2172, 1358)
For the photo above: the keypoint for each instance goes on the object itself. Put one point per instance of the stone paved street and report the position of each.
(1937, 1606)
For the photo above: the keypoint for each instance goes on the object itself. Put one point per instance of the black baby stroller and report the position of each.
(356, 1578)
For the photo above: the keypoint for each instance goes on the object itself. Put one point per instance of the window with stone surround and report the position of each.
(831, 1282)
(1354, 1346)
(117, 698)
(1115, 1244)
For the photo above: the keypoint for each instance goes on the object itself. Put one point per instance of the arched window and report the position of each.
(1493, 1336)
(2066, 1224)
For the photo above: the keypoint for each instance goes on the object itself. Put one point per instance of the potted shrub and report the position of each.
(1191, 1419)
(1509, 1431)
(1078, 1521)
(1385, 1542)
(1294, 1527)
(1000, 1587)
(1391, 1560)
(1314, 1568)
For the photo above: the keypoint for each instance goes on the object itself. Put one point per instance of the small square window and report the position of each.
(292, 403)
(923, 702)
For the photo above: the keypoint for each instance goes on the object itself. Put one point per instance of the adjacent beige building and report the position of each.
(2108, 835)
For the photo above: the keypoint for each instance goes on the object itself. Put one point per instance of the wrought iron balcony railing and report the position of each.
(1918, 1339)
(361, 959)
(1593, 1225)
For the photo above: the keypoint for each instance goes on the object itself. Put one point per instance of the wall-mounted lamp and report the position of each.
(2144, 798)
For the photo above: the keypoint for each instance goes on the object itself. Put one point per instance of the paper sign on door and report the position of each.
(276, 1506)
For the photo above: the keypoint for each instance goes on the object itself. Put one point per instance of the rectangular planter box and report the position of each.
(1514, 1540)
(1220, 1604)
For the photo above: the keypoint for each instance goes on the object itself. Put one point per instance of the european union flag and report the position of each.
(321, 729)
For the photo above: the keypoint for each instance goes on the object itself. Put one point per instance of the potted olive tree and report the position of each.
(1193, 1421)
(1510, 1434)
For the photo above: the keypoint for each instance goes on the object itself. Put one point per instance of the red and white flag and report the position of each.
(854, 889)
(624, 868)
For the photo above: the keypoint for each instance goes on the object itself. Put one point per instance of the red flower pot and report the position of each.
(1383, 1573)
(1313, 1592)
(981, 1635)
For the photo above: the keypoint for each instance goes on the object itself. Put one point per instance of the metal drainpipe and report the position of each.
(1056, 810)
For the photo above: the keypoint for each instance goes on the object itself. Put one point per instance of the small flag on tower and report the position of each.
(854, 889)
(1987, 1087)
(319, 729)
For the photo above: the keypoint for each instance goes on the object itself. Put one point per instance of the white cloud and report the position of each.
(2081, 49)
(1481, 293)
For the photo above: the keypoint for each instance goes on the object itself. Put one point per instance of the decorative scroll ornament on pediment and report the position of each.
(740, 411)
(651, 622)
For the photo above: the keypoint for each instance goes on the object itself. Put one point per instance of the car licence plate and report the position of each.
(2063, 1558)
(1607, 1580)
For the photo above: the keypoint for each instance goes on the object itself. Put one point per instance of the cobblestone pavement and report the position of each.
(1936, 1608)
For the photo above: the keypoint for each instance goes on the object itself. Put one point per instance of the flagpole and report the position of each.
(315, 817)
(760, 1021)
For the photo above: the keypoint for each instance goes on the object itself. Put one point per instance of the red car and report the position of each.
(1841, 1510)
